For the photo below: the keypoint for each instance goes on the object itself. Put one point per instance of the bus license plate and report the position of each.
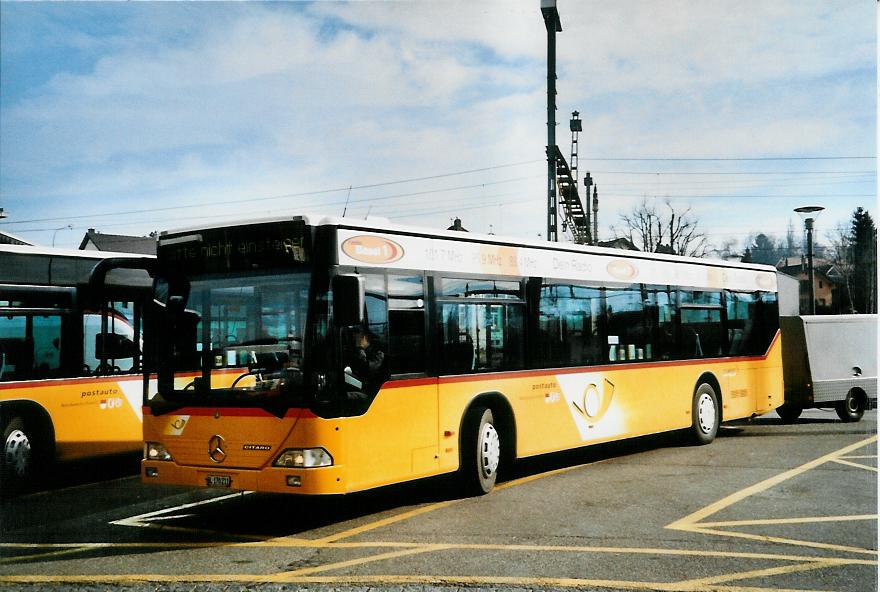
(219, 481)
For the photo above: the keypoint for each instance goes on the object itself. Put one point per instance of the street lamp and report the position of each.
(54, 234)
(809, 214)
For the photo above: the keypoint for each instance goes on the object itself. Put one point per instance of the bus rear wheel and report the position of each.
(706, 415)
(852, 408)
(481, 452)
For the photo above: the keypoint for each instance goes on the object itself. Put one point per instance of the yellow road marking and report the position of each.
(689, 523)
(293, 575)
(535, 477)
(68, 551)
(859, 456)
(771, 539)
(694, 518)
(384, 522)
(438, 505)
(805, 520)
(758, 573)
(856, 465)
(466, 546)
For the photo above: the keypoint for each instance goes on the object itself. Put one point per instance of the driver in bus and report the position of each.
(365, 363)
(368, 360)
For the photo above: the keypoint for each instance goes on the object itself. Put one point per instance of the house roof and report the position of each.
(144, 245)
(618, 243)
(7, 238)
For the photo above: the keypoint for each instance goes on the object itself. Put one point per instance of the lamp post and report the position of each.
(54, 234)
(809, 215)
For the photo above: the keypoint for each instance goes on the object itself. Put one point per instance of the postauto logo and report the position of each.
(372, 249)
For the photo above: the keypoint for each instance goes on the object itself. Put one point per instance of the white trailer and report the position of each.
(829, 361)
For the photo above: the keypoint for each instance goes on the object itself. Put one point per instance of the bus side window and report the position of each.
(30, 347)
(406, 324)
(16, 354)
(702, 332)
(47, 346)
(741, 317)
(481, 337)
(117, 351)
(628, 337)
(568, 326)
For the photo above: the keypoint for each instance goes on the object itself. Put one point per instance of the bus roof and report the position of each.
(385, 225)
(49, 266)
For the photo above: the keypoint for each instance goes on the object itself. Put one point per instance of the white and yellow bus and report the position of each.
(70, 359)
(327, 355)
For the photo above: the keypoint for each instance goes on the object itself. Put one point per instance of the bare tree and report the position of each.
(841, 252)
(724, 250)
(666, 230)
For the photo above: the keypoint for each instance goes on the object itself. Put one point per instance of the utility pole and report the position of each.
(809, 215)
(588, 181)
(595, 213)
(553, 26)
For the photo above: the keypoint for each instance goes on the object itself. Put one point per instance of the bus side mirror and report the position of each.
(348, 300)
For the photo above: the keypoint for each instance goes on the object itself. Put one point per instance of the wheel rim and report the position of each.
(706, 413)
(18, 452)
(490, 450)
(852, 405)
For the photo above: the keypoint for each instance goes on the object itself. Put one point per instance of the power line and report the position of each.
(730, 172)
(458, 173)
(723, 159)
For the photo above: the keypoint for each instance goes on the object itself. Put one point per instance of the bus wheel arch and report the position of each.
(27, 444)
(853, 407)
(707, 409)
(493, 409)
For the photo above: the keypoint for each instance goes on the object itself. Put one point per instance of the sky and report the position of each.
(138, 117)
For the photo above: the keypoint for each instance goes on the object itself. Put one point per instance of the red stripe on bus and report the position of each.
(235, 412)
(68, 381)
(605, 367)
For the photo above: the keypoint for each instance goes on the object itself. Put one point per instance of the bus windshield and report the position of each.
(248, 343)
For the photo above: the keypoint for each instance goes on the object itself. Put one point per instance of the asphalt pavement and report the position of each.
(767, 506)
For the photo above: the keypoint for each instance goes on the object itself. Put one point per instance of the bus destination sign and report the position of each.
(237, 248)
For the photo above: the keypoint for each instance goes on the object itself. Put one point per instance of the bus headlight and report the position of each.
(155, 451)
(304, 458)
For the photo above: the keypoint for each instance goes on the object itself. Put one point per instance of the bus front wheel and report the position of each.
(481, 452)
(706, 415)
(17, 461)
(852, 408)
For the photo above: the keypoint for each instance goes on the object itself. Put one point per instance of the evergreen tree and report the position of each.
(863, 236)
(764, 249)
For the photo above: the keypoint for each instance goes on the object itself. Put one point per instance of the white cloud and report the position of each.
(202, 102)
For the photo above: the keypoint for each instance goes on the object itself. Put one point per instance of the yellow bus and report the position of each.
(327, 355)
(70, 360)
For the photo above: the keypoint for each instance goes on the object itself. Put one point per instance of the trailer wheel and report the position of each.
(852, 408)
(789, 412)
